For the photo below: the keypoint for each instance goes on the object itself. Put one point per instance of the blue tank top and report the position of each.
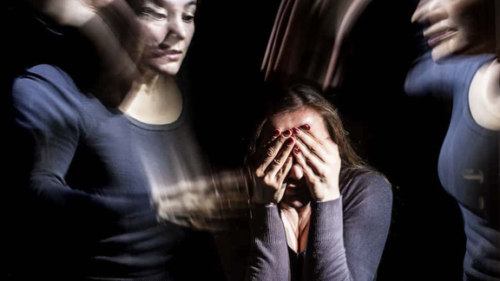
(469, 166)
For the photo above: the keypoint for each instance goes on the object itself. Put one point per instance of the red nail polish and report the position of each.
(296, 150)
(287, 133)
(289, 141)
(295, 130)
(277, 132)
(306, 127)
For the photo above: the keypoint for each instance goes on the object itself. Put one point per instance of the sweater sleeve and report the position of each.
(47, 128)
(347, 235)
(268, 259)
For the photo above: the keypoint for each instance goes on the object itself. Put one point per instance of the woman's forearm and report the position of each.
(268, 259)
(326, 255)
(346, 242)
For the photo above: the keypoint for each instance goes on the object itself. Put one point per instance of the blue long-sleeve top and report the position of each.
(86, 175)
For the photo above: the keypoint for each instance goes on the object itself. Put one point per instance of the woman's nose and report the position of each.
(429, 12)
(296, 172)
(176, 28)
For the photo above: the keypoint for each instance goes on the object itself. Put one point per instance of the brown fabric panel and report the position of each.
(308, 40)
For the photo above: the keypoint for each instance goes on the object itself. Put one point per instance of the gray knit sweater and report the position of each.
(346, 237)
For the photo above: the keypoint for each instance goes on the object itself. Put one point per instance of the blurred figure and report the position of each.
(310, 41)
(456, 27)
(318, 212)
(213, 203)
(469, 162)
(90, 155)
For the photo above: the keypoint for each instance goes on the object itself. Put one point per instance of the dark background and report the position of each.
(399, 136)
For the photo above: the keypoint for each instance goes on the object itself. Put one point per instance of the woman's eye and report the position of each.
(148, 12)
(188, 18)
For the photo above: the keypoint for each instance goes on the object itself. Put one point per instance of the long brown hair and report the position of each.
(300, 96)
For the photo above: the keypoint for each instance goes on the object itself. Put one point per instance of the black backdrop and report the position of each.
(399, 136)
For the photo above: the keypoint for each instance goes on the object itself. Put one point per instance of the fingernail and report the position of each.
(295, 130)
(277, 132)
(306, 127)
(289, 141)
(296, 150)
(287, 133)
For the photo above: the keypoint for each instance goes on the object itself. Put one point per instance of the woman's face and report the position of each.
(457, 26)
(169, 27)
(297, 193)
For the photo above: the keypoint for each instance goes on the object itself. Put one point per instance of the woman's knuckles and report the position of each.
(270, 152)
(259, 173)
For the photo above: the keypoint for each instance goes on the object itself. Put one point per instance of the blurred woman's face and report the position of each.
(297, 193)
(457, 26)
(169, 27)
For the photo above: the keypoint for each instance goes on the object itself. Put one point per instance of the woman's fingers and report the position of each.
(311, 142)
(314, 162)
(323, 187)
(271, 152)
(311, 177)
(280, 160)
(280, 177)
(276, 134)
(272, 158)
(283, 172)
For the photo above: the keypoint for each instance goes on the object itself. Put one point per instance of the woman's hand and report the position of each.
(73, 13)
(116, 35)
(320, 161)
(271, 165)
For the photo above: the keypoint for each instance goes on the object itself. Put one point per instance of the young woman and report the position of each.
(91, 158)
(463, 67)
(318, 212)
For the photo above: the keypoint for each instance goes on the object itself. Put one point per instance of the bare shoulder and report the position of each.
(484, 96)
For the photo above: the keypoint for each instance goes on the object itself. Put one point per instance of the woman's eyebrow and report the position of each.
(164, 3)
(158, 3)
(191, 3)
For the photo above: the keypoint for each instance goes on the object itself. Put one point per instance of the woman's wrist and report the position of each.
(262, 202)
(329, 195)
(329, 198)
